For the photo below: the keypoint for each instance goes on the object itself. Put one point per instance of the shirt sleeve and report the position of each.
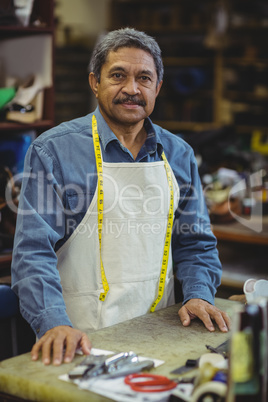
(195, 256)
(40, 224)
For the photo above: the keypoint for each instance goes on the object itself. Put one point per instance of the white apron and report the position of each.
(136, 206)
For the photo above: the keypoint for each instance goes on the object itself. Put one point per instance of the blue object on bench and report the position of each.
(9, 304)
(9, 309)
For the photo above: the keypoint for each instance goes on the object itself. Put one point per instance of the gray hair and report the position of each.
(125, 37)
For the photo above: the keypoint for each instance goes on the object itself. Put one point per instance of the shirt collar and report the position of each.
(106, 135)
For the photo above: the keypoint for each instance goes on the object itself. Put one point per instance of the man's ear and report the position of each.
(159, 87)
(93, 82)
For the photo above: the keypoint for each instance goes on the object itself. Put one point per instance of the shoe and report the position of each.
(27, 91)
(27, 104)
(23, 11)
(26, 114)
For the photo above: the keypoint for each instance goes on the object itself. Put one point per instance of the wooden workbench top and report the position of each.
(158, 335)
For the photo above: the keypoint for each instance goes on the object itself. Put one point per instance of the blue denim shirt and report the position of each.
(58, 185)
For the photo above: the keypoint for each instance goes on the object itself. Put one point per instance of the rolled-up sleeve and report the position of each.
(40, 225)
(195, 256)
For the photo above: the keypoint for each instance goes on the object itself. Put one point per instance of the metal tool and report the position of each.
(222, 349)
(117, 365)
(191, 364)
(86, 365)
(130, 368)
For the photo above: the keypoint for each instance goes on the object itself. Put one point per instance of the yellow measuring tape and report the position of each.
(97, 149)
(168, 236)
(163, 273)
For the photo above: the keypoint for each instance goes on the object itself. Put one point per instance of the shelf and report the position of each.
(238, 232)
(249, 28)
(191, 126)
(16, 30)
(41, 124)
(235, 278)
(248, 129)
(245, 61)
(26, 51)
(186, 61)
(155, 30)
(245, 96)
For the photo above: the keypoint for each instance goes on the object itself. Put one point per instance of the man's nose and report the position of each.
(131, 87)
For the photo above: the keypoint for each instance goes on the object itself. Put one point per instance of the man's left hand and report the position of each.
(198, 308)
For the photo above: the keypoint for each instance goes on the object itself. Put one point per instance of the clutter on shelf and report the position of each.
(229, 194)
(23, 10)
(26, 103)
(234, 177)
(16, 12)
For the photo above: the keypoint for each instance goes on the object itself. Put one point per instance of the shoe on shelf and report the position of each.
(23, 11)
(28, 113)
(27, 104)
(28, 90)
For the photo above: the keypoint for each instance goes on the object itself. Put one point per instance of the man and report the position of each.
(93, 243)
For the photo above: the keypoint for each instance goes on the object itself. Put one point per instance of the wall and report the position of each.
(78, 24)
(85, 18)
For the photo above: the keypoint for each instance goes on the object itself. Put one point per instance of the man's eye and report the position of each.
(145, 78)
(117, 75)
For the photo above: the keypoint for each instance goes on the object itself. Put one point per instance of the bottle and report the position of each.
(248, 356)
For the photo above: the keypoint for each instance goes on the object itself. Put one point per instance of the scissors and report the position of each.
(156, 383)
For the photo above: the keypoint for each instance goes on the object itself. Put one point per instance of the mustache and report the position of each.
(130, 98)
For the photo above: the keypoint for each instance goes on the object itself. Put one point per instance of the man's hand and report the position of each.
(58, 338)
(198, 308)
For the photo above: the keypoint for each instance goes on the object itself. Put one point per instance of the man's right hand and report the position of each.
(61, 342)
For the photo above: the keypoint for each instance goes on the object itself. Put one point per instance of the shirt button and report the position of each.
(38, 330)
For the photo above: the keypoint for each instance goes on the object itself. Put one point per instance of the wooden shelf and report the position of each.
(245, 96)
(192, 126)
(187, 61)
(28, 50)
(245, 61)
(10, 126)
(238, 232)
(249, 129)
(15, 30)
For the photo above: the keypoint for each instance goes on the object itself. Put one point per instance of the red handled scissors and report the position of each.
(156, 383)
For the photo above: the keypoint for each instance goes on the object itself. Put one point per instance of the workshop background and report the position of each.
(215, 96)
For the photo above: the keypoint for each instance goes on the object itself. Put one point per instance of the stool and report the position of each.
(9, 308)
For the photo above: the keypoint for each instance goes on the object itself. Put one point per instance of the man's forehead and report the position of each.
(131, 55)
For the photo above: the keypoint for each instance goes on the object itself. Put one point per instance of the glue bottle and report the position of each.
(245, 381)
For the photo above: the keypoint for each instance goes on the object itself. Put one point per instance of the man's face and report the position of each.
(128, 86)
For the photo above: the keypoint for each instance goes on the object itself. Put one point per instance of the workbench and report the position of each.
(158, 335)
